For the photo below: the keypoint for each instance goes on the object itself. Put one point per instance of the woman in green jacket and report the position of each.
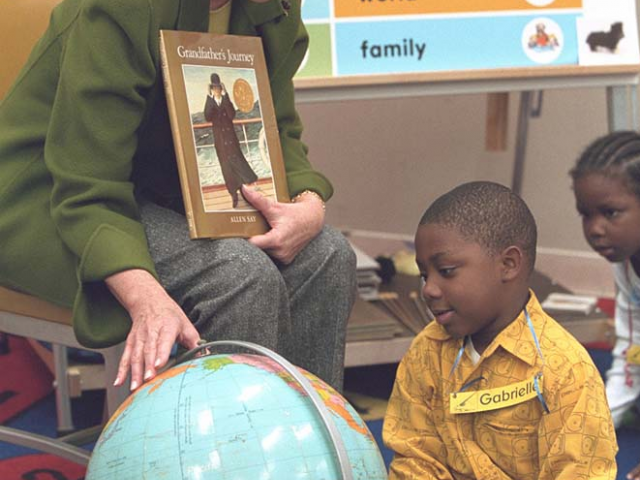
(90, 200)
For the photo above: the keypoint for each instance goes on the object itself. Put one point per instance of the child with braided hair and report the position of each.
(606, 184)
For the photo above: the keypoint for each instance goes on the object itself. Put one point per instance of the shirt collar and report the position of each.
(515, 338)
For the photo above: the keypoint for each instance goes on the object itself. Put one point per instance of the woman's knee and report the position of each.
(249, 268)
(241, 287)
(334, 251)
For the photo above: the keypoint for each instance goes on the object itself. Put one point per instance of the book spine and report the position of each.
(177, 140)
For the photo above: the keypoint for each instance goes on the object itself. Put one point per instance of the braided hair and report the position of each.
(615, 154)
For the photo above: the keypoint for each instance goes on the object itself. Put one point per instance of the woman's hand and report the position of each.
(157, 323)
(293, 225)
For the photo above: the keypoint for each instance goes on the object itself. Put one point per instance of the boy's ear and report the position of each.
(512, 263)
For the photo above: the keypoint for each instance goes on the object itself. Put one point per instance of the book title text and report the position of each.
(204, 53)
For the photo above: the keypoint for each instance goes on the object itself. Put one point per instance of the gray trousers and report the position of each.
(232, 290)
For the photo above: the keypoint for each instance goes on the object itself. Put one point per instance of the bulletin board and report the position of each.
(392, 39)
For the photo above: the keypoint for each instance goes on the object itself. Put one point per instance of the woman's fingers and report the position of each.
(123, 366)
(149, 346)
(157, 321)
(137, 362)
(150, 354)
(189, 337)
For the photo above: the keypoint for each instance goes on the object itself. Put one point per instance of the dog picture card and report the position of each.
(607, 33)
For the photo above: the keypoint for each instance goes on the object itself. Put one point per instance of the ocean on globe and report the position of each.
(233, 416)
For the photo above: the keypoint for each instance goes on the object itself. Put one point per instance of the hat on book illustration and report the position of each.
(215, 80)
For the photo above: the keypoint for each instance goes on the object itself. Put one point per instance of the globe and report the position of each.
(236, 416)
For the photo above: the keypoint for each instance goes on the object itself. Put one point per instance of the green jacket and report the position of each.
(85, 125)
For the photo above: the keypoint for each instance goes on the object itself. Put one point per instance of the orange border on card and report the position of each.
(368, 8)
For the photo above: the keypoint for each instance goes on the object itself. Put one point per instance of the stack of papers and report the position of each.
(368, 322)
(367, 275)
(567, 308)
(568, 302)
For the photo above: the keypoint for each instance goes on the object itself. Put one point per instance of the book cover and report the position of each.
(224, 130)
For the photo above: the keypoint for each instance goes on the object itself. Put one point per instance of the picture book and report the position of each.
(224, 130)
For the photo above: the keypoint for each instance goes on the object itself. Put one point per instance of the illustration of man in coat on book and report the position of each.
(220, 111)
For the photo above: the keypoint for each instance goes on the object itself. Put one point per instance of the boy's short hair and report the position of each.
(489, 214)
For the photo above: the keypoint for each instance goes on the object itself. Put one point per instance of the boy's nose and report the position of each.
(594, 228)
(430, 289)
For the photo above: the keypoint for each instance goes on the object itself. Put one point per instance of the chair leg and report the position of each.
(63, 399)
(4, 343)
(115, 395)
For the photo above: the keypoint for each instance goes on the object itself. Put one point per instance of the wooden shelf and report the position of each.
(377, 352)
(310, 90)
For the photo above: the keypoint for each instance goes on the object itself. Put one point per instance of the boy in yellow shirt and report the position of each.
(494, 388)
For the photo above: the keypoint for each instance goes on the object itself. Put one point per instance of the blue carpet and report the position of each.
(41, 419)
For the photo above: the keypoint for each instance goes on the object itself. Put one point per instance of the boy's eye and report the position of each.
(446, 271)
(611, 213)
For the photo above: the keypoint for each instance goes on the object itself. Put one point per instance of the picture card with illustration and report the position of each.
(224, 130)
(607, 33)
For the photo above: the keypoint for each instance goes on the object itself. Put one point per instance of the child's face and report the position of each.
(463, 286)
(610, 215)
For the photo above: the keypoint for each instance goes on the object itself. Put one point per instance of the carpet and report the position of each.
(368, 389)
(40, 467)
(25, 382)
(368, 407)
(25, 378)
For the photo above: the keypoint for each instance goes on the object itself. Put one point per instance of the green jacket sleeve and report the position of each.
(98, 107)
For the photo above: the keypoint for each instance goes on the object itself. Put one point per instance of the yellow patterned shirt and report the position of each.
(575, 440)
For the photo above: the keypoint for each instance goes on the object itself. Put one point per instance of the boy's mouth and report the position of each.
(442, 316)
(604, 250)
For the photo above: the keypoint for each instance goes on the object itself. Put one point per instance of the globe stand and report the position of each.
(45, 444)
(338, 444)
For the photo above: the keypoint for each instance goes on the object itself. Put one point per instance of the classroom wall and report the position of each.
(389, 158)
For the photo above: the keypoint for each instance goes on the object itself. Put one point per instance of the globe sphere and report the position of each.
(234, 416)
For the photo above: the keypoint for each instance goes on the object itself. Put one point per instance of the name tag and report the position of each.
(493, 398)
(633, 355)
